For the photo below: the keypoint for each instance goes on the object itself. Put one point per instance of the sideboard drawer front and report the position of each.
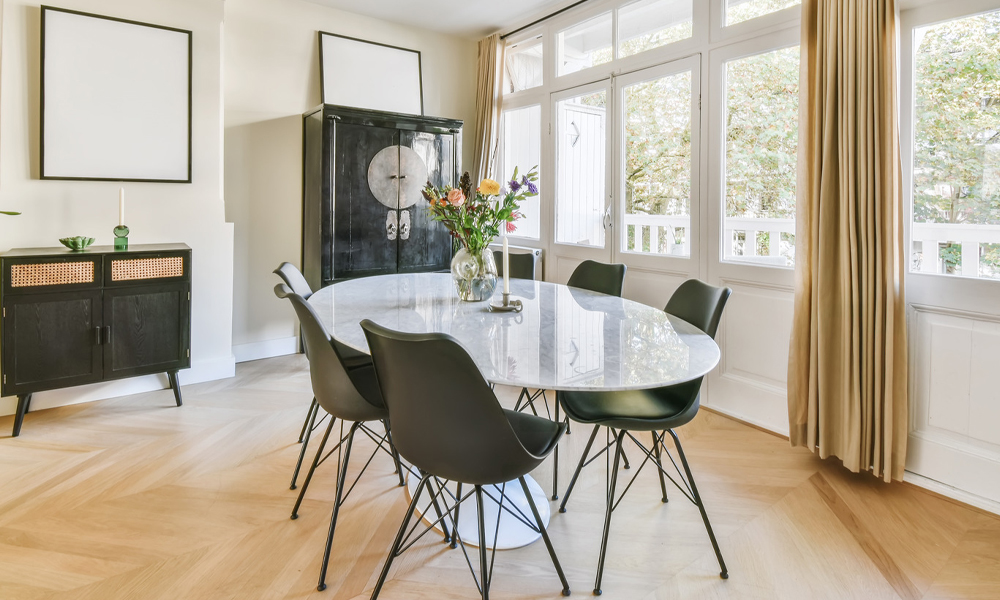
(144, 269)
(49, 275)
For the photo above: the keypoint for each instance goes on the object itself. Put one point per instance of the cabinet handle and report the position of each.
(97, 336)
(107, 334)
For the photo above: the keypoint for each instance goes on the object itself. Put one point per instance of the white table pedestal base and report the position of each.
(512, 533)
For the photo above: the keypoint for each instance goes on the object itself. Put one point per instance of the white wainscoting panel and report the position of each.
(955, 400)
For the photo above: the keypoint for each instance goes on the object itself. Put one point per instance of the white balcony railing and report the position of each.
(930, 236)
(678, 239)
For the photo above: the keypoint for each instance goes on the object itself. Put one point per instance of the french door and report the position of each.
(627, 185)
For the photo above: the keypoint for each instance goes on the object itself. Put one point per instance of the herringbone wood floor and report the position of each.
(130, 498)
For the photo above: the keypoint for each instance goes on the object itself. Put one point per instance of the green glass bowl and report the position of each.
(77, 243)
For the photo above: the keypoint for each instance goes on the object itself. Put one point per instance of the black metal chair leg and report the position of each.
(579, 467)
(659, 470)
(607, 516)
(393, 552)
(701, 506)
(545, 535)
(312, 469)
(454, 522)
(309, 417)
(395, 455)
(307, 428)
(484, 582)
(437, 510)
(341, 482)
(555, 460)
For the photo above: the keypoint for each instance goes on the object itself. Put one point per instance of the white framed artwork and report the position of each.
(116, 99)
(362, 74)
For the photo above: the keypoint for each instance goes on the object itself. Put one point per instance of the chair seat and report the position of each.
(350, 357)
(366, 383)
(636, 410)
(537, 435)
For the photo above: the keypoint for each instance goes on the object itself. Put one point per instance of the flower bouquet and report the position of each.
(474, 219)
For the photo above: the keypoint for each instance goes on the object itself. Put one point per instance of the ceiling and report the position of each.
(472, 19)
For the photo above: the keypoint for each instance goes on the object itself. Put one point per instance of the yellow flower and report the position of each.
(488, 187)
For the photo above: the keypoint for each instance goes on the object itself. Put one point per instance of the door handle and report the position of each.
(97, 336)
(404, 225)
(390, 225)
(107, 334)
(608, 223)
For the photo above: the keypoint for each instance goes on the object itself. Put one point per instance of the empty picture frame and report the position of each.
(362, 74)
(116, 99)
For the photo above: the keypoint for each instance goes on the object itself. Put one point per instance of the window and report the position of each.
(657, 175)
(520, 139)
(585, 45)
(523, 66)
(762, 109)
(649, 24)
(580, 169)
(956, 148)
(738, 11)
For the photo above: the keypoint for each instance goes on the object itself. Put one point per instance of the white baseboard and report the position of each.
(200, 371)
(952, 492)
(266, 349)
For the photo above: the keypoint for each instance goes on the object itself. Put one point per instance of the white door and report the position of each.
(583, 211)
(950, 105)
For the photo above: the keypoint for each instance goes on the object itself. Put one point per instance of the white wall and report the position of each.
(191, 213)
(272, 77)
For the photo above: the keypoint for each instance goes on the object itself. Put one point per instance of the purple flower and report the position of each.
(514, 185)
(532, 188)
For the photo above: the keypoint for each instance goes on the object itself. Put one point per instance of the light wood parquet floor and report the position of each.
(131, 498)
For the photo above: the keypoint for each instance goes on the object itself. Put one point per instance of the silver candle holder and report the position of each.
(508, 305)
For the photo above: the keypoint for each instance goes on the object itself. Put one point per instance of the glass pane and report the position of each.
(762, 134)
(520, 139)
(585, 45)
(738, 11)
(523, 66)
(956, 148)
(580, 169)
(649, 24)
(657, 119)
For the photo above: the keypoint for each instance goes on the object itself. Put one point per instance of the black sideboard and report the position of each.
(71, 318)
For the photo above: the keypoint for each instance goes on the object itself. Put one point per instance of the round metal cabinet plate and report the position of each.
(396, 176)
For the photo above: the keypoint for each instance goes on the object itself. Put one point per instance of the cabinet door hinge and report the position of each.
(5, 312)
(189, 354)
(5, 379)
(189, 295)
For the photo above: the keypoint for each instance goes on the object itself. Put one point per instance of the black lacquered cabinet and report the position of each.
(362, 209)
(71, 318)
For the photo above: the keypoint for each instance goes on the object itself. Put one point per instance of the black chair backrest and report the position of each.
(331, 385)
(699, 304)
(599, 277)
(445, 419)
(522, 266)
(294, 279)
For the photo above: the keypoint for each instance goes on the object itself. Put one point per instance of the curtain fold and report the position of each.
(847, 371)
(489, 84)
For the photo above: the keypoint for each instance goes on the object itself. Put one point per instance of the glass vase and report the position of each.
(475, 276)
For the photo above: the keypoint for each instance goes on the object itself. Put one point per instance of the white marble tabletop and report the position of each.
(564, 339)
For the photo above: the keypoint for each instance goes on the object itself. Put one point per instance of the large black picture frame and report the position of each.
(135, 125)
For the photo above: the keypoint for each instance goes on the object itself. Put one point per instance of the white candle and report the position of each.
(506, 267)
(121, 206)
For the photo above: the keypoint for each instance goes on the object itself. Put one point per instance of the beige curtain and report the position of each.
(489, 85)
(847, 365)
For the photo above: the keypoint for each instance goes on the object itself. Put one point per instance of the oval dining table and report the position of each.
(564, 339)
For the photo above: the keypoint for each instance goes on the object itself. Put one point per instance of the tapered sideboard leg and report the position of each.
(23, 403)
(176, 385)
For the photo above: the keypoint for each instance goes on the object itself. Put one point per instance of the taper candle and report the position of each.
(506, 267)
(121, 206)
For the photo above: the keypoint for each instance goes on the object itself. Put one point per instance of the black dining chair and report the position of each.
(522, 266)
(347, 394)
(658, 411)
(593, 276)
(294, 279)
(447, 422)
